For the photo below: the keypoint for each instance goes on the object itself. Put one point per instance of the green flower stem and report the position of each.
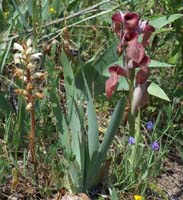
(131, 119)
(134, 149)
(134, 132)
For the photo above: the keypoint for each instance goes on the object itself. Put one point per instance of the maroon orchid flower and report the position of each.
(135, 51)
(118, 17)
(117, 20)
(130, 37)
(142, 75)
(128, 28)
(143, 63)
(148, 30)
(111, 83)
(131, 21)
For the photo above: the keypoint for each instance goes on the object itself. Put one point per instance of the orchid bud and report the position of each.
(35, 56)
(18, 72)
(139, 97)
(18, 58)
(31, 67)
(39, 95)
(23, 78)
(24, 57)
(21, 92)
(18, 47)
(29, 87)
(29, 51)
(29, 107)
(39, 75)
(29, 42)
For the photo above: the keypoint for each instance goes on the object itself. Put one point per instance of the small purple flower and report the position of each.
(131, 140)
(74, 52)
(155, 146)
(149, 126)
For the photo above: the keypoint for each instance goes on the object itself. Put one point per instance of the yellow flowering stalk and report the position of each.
(27, 61)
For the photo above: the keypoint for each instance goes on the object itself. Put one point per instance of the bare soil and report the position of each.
(171, 180)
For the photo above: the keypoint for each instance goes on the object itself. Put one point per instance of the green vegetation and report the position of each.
(74, 112)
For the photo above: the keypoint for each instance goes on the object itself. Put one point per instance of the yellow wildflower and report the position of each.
(6, 13)
(52, 10)
(137, 197)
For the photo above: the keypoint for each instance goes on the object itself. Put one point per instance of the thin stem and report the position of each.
(32, 133)
(32, 120)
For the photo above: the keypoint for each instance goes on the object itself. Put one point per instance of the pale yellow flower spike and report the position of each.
(137, 197)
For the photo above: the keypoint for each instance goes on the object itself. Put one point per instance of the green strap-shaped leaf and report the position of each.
(93, 133)
(20, 11)
(114, 124)
(114, 195)
(73, 111)
(61, 121)
(155, 63)
(164, 20)
(156, 91)
(104, 147)
(108, 57)
(5, 105)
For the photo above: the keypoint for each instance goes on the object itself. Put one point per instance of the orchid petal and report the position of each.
(118, 70)
(111, 84)
(35, 56)
(18, 58)
(135, 51)
(18, 47)
(118, 17)
(142, 75)
(117, 20)
(131, 36)
(148, 30)
(29, 43)
(29, 51)
(145, 61)
(131, 20)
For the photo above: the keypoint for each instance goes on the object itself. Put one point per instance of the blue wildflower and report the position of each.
(155, 146)
(149, 126)
(131, 140)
